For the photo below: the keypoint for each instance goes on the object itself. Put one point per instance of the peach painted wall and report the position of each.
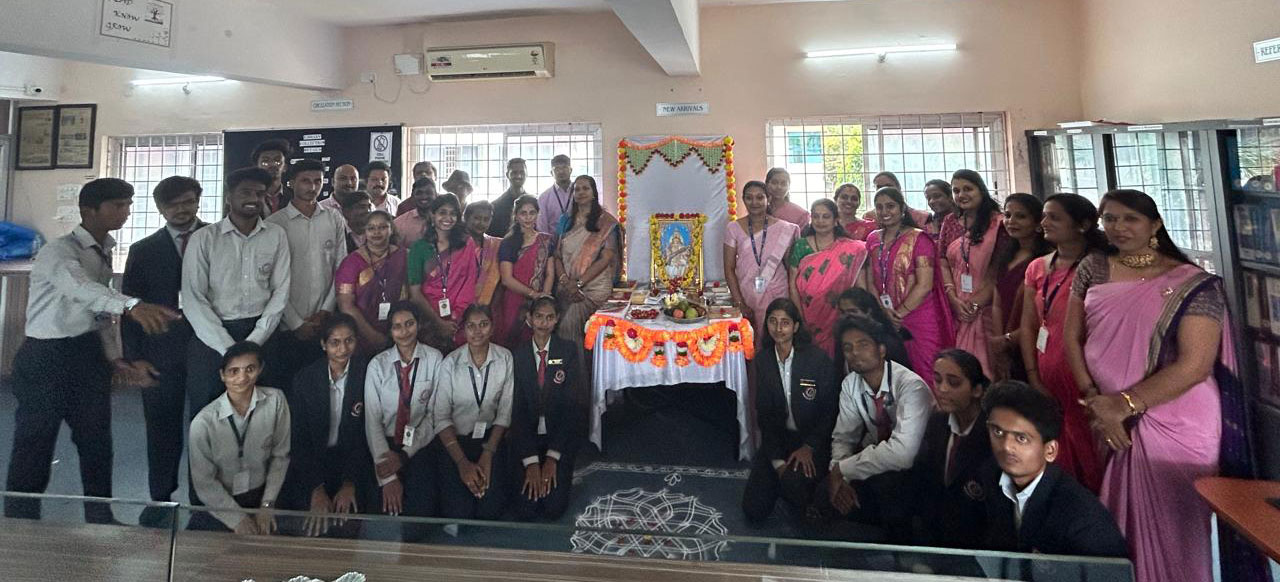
(1015, 56)
(1178, 60)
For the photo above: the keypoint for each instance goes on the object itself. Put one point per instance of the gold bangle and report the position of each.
(1133, 410)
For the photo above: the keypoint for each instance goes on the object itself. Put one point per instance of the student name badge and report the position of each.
(407, 439)
(886, 301)
(759, 284)
(479, 430)
(1042, 339)
(443, 307)
(384, 309)
(966, 283)
(240, 483)
(542, 425)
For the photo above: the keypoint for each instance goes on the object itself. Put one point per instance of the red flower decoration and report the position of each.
(631, 333)
(682, 344)
(733, 327)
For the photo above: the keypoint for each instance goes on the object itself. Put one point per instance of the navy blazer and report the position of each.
(153, 273)
(815, 393)
(952, 513)
(1061, 517)
(309, 461)
(558, 394)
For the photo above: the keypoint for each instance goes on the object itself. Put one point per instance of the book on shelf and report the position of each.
(1255, 314)
(1273, 304)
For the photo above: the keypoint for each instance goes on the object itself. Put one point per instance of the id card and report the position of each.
(408, 436)
(966, 283)
(479, 430)
(1042, 339)
(886, 301)
(240, 483)
(542, 425)
(384, 309)
(759, 284)
(443, 307)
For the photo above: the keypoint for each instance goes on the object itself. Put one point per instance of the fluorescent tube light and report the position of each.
(1068, 124)
(881, 50)
(183, 80)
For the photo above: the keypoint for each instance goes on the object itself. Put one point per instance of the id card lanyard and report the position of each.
(241, 436)
(764, 240)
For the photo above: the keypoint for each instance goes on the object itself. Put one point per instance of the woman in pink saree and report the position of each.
(755, 247)
(443, 274)
(968, 276)
(904, 276)
(822, 263)
(370, 280)
(1155, 372)
(524, 260)
(586, 259)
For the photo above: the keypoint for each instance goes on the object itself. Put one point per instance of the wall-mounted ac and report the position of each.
(513, 61)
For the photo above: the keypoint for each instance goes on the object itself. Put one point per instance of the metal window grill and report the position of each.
(1167, 166)
(483, 150)
(144, 160)
(823, 152)
(1077, 167)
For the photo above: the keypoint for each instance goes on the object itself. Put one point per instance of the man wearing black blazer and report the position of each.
(153, 272)
(1032, 505)
(330, 467)
(545, 432)
(795, 414)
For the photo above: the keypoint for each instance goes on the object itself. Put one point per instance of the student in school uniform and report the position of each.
(796, 392)
(472, 413)
(544, 436)
(945, 493)
(884, 408)
(331, 470)
(240, 449)
(398, 391)
(153, 273)
(235, 282)
(62, 371)
(317, 245)
(1032, 504)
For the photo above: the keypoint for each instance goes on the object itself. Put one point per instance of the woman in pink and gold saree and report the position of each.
(822, 263)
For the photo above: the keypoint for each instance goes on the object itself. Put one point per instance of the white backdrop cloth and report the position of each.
(689, 187)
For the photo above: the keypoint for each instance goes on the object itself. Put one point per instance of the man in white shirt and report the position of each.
(317, 245)
(555, 201)
(235, 283)
(62, 371)
(346, 179)
(377, 181)
(884, 408)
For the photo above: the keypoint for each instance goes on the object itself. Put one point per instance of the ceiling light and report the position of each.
(1073, 124)
(182, 80)
(881, 50)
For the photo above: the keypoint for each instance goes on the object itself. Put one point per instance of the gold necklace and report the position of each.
(1141, 261)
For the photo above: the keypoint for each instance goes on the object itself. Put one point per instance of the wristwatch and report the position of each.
(131, 303)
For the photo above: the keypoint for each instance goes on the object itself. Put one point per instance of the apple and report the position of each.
(678, 314)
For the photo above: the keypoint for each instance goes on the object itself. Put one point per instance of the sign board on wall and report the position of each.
(144, 21)
(669, 109)
(334, 146)
(332, 105)
(1266, 50)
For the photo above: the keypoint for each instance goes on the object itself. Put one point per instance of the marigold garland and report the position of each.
(706, 345)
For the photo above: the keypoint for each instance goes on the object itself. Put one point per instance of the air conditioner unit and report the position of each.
(514, 61)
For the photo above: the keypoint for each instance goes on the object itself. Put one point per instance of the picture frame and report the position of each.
(36, 137)
(675, 245)
(76, 136)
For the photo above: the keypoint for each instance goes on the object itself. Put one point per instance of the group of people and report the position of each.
(423, 355)
(1095, 357)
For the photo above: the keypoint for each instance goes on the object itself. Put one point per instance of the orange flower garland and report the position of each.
(732, 194)
(706, 345)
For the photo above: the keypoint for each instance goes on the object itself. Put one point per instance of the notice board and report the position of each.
(334, 146)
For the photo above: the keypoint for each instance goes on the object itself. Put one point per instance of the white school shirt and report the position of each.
(215, 452)
(855, 444)
(460, 379)
(337, 392)
(382, 401)
(227, 275)
(1019, 498)
(70, 289)
(552, 453)
(317, 245)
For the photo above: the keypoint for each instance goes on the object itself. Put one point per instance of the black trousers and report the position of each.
(883, 502)
(556, 502)
(297, 497)
(162, 407)
(764, 487)
(203, 364)
(56, 380)
(421, 489)
(456, 501)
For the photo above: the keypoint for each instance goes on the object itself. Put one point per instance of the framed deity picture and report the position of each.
(36, 126)
(675, 242)
(75, 136)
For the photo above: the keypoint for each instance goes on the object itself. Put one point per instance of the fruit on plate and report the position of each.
(643, 313)
(683, 309)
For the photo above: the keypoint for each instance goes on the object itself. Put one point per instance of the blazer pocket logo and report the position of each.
(357, 409)
(974, 491)
(809, 393)
(559, 377)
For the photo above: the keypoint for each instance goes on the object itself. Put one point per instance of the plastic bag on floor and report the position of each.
(18, 242)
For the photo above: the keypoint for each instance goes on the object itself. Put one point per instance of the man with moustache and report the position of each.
(346, 179)
(555, 201)
(505, 204)
(273, 156)
(377, 181)
(420, 170)
(410, 225)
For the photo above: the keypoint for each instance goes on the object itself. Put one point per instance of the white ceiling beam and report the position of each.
(668, 29)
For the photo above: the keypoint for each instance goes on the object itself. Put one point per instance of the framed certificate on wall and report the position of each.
(36, 126)
(75, 136)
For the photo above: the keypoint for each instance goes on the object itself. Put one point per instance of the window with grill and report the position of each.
(145, 160)
(823, 152)
(1077, 167)
(483, 150)
(1167, 166)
